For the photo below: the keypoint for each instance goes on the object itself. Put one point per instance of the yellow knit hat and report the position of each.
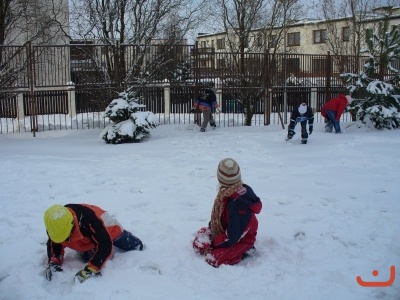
(59, 222)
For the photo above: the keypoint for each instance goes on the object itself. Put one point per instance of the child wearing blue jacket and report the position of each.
(205, 103)
(301, 114)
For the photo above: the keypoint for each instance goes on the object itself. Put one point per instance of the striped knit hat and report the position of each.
(228, 172)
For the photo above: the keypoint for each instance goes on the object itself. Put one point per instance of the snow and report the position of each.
(380, 87)
(331, 212)
(118, 105)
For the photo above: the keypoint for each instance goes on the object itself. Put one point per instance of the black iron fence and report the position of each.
(69, 86)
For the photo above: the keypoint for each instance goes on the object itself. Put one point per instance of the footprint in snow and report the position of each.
(300, 236)
(152, 269)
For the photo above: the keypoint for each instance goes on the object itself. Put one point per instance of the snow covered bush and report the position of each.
(129, 124)
(376, 94)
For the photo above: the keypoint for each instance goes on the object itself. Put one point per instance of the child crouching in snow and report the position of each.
(232, 231)
(87, 229)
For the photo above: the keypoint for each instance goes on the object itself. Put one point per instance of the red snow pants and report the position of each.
(218, 256)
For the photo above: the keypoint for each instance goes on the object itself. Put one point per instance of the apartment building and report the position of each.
(307, 36)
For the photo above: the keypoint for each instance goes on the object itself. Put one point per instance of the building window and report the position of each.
(260, 40)
(368, 34)
(346, 34)
(273, 41)
(395, 64)
(293, 39)
(220, 43)
(81, 50)
(212, 44)
(246, 43)
(319, 36)
(203, 44)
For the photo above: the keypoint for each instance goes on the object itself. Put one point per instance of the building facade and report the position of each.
(308, 36)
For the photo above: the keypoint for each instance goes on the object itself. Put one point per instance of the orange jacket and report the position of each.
(94, 229)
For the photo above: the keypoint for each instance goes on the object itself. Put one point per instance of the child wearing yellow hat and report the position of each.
(87, 229)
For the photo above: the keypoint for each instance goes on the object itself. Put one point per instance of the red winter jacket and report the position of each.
(337, 105)
(239, 219)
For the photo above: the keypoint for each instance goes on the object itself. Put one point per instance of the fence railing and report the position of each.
(69, 86)
(60, 109)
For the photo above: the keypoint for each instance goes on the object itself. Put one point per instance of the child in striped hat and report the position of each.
(232, 230)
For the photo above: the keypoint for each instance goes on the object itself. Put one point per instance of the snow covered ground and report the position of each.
(331, 212)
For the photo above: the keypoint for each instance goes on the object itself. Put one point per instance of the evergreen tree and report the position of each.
(129, 124)
(377, 96)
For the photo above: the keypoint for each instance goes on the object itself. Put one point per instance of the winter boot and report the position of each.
(249, 252)
(304, 141)
(290, 135)
(213, 125)
(202, 130)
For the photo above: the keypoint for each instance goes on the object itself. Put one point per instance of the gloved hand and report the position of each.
(204, 249)
(310, 129)
(48, 273)
(202, 243)
(87, 272)
(192, 110)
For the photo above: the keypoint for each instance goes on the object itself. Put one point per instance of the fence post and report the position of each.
(267, 106)
(71, 100)
(32, 94)
(218, 91)
(285, 105)
(328, 75)
(20, 106)
(167, 97)
(314, 99)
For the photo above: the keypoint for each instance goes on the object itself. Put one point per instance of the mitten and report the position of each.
(87, 272)
(48, 273)
(202, 243)
(310, 129)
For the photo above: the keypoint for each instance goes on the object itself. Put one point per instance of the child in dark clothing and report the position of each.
(301, 114)
(205, 103)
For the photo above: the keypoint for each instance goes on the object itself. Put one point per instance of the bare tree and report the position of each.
(38, 21)
(240, 19)
(135, 27)
(23, 22)
(346, 42)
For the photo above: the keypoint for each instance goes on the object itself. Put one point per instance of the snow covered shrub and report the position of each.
(381, 107)
(377, 94)
(129, 124)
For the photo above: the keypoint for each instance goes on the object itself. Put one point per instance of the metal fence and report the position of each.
(69, 86)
